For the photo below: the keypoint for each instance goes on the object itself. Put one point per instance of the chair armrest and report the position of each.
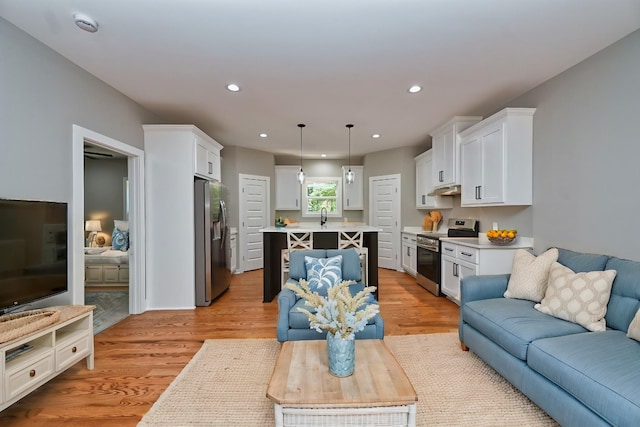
(286, 300)
(379, 326)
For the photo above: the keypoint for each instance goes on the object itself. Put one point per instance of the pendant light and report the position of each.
(301, 173)
(350, 176)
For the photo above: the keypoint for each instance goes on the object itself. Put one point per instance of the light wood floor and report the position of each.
(136, 360)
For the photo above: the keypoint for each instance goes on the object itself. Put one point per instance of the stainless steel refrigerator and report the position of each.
(212, 273)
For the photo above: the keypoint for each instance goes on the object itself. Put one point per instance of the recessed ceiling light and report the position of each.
(323, 155)
(263, 135)
(415, 89)
(375, 135)
(85, 22)
(233, 87)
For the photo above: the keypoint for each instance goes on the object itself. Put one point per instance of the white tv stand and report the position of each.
(55, 348)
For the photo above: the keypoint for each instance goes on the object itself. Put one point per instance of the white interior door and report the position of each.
(254, 207)
(384, 213)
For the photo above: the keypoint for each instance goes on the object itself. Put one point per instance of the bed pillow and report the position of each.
(322, 273)
(530, 274)
(120, 240)
(634, 327)
(580, 298)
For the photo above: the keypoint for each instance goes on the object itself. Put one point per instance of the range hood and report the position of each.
(452, 190)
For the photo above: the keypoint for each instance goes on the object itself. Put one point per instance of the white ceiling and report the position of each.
(325, 63)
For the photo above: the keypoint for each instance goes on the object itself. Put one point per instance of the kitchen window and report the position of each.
(322, 192)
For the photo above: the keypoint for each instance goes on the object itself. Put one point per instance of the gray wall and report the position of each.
(43, 95)
(104, 192)
(586, 151)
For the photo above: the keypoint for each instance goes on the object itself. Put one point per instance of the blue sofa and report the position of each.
(579, 378)
(294, 325)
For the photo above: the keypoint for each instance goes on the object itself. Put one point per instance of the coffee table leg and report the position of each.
(279, 415)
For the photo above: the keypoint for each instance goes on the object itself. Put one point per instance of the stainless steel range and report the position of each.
(428, 251)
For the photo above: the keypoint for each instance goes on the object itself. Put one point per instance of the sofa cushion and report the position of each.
(322, 273)
(513, 324)
(297, 266)
(530, 274)
(581, 262)
(600, 369)
(578, 297)
(350, 263)
(625, 293)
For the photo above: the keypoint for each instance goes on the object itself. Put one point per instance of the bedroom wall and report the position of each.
(43, 95)
(104, 192)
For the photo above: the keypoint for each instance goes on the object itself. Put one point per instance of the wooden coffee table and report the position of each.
(305, 393)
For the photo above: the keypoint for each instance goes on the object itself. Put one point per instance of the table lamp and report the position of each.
(93, 226)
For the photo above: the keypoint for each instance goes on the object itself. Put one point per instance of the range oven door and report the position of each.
(428, 266)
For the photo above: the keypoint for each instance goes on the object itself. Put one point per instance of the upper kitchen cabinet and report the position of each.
(353, 194)
(446, 150)
(207, 157)
(497, 160)
(424, 184)
(287, 188)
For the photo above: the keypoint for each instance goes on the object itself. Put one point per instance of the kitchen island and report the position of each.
(274, 239)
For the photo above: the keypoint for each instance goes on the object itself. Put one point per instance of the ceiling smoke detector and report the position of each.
(85, 22)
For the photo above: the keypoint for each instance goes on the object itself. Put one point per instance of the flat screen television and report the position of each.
(33, 251)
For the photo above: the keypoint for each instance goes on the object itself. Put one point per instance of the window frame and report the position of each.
(305, 198)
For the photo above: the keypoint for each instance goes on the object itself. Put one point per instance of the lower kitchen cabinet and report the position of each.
(463, 260)
(409, 255)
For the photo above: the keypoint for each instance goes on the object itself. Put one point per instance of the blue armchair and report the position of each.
(294, 325)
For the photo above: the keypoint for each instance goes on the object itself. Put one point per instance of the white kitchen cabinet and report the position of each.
(353, 194)
(288, 196)
(170, 168)
(445, 144)
(497, 160)
(424, 184)
(409, 255)
(207, 158)
(459, 261)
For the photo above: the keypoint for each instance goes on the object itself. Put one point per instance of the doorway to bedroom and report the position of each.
(106, 213)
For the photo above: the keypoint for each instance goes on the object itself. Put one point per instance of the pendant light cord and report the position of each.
(349, 126)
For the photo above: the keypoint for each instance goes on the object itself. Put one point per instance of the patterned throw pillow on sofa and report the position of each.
(530, 274)
(580, 298)
(634, 327)
(322, 273)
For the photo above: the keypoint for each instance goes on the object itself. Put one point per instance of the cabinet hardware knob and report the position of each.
(74, 349)
(465, 253)
(32, 373)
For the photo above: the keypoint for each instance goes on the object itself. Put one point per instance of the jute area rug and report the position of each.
(225, 384)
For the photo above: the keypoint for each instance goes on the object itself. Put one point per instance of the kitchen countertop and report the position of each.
(481, 242)
(330, 227)
(442, 231)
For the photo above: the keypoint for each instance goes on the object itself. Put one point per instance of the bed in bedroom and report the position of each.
(106, 267)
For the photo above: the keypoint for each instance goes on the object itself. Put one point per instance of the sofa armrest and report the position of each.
(474, 288)
(286, 300)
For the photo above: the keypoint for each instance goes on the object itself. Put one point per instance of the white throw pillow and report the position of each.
(121, 225)
(580, 298)
(634, 327)
(530, 274)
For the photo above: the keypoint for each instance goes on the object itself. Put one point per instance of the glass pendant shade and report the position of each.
(350, 176)
(300, 174)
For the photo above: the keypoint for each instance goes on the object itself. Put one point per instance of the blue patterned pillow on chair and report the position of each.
(322, 273)
(120, 240)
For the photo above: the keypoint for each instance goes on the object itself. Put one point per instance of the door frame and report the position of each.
(135, 165)
(242, 232)
(397, 213)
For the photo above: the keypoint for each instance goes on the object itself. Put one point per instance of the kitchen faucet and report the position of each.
(323, 216)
